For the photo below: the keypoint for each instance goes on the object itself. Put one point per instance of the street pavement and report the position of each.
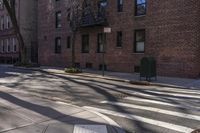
(137, 109)
(23, 113)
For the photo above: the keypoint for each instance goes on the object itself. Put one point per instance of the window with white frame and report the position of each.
(11, 44)
(14, 45)
(2, 22)
(1, 46)
(1, 5)
(7, 45)
(7, 22)
(139, 45)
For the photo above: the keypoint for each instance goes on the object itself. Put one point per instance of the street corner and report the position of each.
(21, 113)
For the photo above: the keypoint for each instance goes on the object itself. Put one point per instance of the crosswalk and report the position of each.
(176, 111)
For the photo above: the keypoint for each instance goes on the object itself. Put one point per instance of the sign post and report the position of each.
(105, 30)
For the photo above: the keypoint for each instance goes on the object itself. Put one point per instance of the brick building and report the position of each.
(26, 12)
(169, 31)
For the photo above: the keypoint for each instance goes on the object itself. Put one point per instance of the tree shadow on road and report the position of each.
(52, 113)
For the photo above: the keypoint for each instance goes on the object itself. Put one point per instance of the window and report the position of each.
(2, 46)
(88, 65)
(7, 22)
(101, 67)
(100, 43)
(1, 5)
(136, 69)
(58, 45)
(119, 5)
(139, 45)
(85, 43)
(7, 45)
(119, 39)
(58, 19)
(68, 42)
(140, 7)
(11, 44)
(68, 14)
(14, 45)
(2, 23)
(102, 5)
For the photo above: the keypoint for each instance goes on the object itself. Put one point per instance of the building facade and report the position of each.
(169, 31)
(8, 44)
(26, 12)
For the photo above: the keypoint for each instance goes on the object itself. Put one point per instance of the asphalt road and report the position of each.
(140, 109)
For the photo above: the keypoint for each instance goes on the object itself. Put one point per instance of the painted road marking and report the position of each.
(186, 91)
(172, 94)
(154, 96)
(90, 129)
(157, 110)
(160, 103)
(151, 101)
(143, 119)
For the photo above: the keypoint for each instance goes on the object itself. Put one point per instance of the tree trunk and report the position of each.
(11, 11)
(22, 49)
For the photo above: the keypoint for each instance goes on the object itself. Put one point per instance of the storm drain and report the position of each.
(90, 129)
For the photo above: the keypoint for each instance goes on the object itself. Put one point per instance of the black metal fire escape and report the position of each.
(92, 17)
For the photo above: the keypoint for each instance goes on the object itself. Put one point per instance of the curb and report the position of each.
(134, 82)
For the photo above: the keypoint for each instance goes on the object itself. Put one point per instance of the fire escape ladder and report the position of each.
(90, 17)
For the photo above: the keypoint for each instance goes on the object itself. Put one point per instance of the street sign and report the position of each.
(107, 30)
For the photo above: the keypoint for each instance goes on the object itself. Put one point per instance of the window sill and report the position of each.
(58, 28)
(100, 52)
(138, 53)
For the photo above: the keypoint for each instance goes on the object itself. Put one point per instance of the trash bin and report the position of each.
(148, 68)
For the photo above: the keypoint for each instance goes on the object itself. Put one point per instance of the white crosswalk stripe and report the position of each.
(162, 103)
(156, 96)
(157, 110)
(151, 101)
(167, 125)
(175, 94)
(178, 90)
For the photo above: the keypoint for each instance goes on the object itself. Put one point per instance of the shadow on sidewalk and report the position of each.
(50, 112)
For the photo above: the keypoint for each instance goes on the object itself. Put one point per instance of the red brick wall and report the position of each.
(172, 37)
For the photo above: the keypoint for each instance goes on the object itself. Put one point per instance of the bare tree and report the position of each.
(75, 18)
(10, 6)
(79, 8)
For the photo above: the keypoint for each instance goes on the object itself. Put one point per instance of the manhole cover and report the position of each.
(90, 129)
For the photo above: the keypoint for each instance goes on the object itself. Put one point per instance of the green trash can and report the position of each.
(148, 68)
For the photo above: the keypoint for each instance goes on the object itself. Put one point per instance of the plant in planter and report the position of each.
(72, 70)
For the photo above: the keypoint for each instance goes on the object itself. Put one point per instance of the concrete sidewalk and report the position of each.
(22, 113)
(133, 78)
(127, 77)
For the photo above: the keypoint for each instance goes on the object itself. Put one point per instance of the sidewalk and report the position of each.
(132, 78)
(22, 113)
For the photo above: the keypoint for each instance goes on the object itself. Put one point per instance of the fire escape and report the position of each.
(92, 16)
